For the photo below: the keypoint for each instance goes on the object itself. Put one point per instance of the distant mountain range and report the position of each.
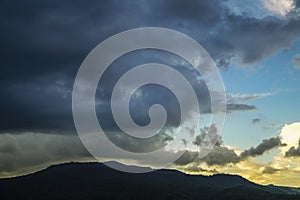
(91, 181)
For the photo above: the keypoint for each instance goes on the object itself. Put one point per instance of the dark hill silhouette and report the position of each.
(97, 181)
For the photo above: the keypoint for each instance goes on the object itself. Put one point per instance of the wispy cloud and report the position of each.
(235, 102)
(233, 98)
(240, 107)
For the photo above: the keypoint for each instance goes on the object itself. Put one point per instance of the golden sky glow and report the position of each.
(281, 170)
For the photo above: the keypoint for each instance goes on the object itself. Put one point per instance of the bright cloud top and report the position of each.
(290, 135)
(278, 7)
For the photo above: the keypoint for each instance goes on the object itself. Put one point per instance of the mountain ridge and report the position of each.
(93, 180)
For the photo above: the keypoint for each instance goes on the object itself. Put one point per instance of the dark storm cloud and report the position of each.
(44, 42)
(293, 151)
(37, 105)
(268, 35)
(263, 147)
(151, 94)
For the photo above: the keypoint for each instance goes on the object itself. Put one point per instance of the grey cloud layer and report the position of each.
(26, 152)
(260, 149)
(222, 155)
(23, 153)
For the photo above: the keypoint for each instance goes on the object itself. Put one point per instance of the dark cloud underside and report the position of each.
(293, 151)
(44, 42)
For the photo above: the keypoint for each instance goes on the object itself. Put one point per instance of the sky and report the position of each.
(254, 43)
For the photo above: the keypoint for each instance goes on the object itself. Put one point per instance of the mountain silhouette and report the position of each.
(97, 181)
